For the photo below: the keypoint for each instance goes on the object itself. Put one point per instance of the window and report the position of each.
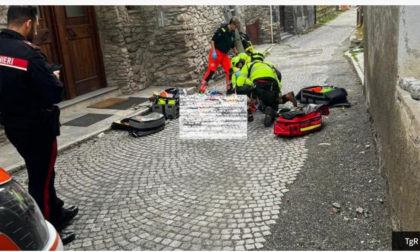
(75, 11)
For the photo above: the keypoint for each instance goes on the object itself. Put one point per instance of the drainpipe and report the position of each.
(271, 15)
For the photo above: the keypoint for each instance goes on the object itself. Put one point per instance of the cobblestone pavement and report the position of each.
(158, 192)
(161, 193)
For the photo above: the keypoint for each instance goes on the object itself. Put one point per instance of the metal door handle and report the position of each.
(46, 35)
(71, 32)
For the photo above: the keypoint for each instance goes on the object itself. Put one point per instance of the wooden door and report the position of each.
(46, 38)
(79, 42)
(253, 32)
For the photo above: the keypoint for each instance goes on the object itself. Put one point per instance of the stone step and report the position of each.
(285, 35)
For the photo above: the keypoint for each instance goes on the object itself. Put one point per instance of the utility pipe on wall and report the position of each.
(271, 16)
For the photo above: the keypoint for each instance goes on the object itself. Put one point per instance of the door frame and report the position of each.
(58, 23)
(282, 11)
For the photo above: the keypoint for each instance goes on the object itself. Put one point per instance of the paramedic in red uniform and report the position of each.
(28, 91)
(223, 40)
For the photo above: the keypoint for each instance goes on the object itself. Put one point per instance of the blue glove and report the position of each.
(214, 55)
(237, 73)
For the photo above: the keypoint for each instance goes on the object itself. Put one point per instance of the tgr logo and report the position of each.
(412, 242)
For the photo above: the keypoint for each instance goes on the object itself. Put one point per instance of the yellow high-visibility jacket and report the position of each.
(259, 70)
(234, 61)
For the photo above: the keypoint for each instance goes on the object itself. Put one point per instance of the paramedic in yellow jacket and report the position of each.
(263, 77)
(237, 63)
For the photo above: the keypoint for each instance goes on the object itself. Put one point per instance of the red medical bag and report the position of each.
(300, 125)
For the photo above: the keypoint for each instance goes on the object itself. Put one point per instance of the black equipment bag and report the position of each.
(141, 125)
(334, 98)
(168, 106)
(148, 124)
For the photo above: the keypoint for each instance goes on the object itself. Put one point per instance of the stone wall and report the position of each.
(289, 19)
(409, 42)
(262, 13)
(391, 40)
(158, 54)
(306, 19)
(173, 55)
(204, 22)
(299, 18)
(111, 24)
(3, 16)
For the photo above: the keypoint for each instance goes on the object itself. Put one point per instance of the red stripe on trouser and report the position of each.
(47, 181)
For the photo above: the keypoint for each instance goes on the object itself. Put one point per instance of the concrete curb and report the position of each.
(21, 165)
(359, 71)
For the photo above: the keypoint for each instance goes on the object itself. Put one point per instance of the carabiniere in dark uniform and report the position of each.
(28, 91)
(29, 87)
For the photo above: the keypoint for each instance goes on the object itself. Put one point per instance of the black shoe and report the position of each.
(67, 237)
(67, 214)
(274, 112)
(250, 116)
(268, 120)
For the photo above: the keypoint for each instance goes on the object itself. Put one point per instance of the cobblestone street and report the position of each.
(161, 193)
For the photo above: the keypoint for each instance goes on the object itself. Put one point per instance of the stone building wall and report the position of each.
(306, 19)
(262, 13)
(3, 16)
(118, 71)
(289, 19)
(158, 54)
(175, 54)
(204, 22)
(392, 47)
(299, 18)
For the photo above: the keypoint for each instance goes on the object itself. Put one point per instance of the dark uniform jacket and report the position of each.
(28, 86)
(224, 39)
